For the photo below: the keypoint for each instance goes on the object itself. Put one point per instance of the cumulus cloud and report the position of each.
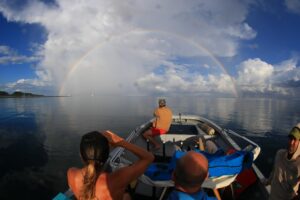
(113, 46)
(258, 76)
(254, 72)
(175, 82)
(293, 6)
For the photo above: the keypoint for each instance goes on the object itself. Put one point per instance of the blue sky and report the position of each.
(19, 40)
(172, 47)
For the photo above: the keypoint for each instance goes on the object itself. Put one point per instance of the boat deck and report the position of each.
(189, 132)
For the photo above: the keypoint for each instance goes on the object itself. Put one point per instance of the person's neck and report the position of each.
(188, 190)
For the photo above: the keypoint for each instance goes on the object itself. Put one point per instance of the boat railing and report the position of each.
(256, 151)
(255, 148)
(175, 137)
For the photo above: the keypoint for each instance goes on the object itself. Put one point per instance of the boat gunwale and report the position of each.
(116, 153)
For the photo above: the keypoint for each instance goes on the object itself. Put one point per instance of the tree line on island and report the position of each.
(19, 94)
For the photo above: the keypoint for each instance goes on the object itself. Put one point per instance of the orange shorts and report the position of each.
(157, 131)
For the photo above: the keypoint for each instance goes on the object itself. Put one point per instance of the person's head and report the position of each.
(294, 138)
(161, 102)
(94, 147)
(190, 172)
(94, 151)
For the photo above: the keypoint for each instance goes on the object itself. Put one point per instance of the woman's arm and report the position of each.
(125, 175)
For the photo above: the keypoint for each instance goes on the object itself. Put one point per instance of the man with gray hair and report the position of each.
(161, 123)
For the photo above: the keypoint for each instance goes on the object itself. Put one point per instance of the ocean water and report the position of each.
(39, 137)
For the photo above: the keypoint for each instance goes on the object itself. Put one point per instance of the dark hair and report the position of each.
(94, 151)
(185, 178)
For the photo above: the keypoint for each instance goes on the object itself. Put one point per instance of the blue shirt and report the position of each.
(178, 195)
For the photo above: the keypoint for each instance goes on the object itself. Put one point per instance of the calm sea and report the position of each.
(39, 137)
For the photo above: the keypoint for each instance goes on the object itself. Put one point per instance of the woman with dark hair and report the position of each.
(91, 182)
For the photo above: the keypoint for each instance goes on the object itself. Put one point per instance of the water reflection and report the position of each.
(252, 116)
(39, 137)
(22, 153)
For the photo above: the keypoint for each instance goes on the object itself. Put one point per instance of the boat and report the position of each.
(191, 133)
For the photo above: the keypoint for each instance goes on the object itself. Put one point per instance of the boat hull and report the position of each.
(189, 132)
(184, 134)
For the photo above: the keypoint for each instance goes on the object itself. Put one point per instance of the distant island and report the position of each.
(19, 94)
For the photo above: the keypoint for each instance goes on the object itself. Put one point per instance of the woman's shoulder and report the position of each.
(74, 173)
(74, 179)
(73, 170)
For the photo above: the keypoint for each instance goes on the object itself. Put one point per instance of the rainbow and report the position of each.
(74, 66)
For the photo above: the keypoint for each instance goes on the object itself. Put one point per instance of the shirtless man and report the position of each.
(91, 181)
(161, 124)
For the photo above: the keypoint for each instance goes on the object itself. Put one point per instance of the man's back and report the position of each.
(163, 118)
(104, 189)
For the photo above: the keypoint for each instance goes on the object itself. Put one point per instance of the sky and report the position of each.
(231, 48)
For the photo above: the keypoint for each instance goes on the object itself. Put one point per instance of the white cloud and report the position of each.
(172, 81)
(112, 46)
(287, 74)
(17, 59)
(254, 72)
(36, 86)
(31, 82)
(10, 56)
(255, 75)
(293, 6)
(5, 50)
(243, 31)
(286, 65)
